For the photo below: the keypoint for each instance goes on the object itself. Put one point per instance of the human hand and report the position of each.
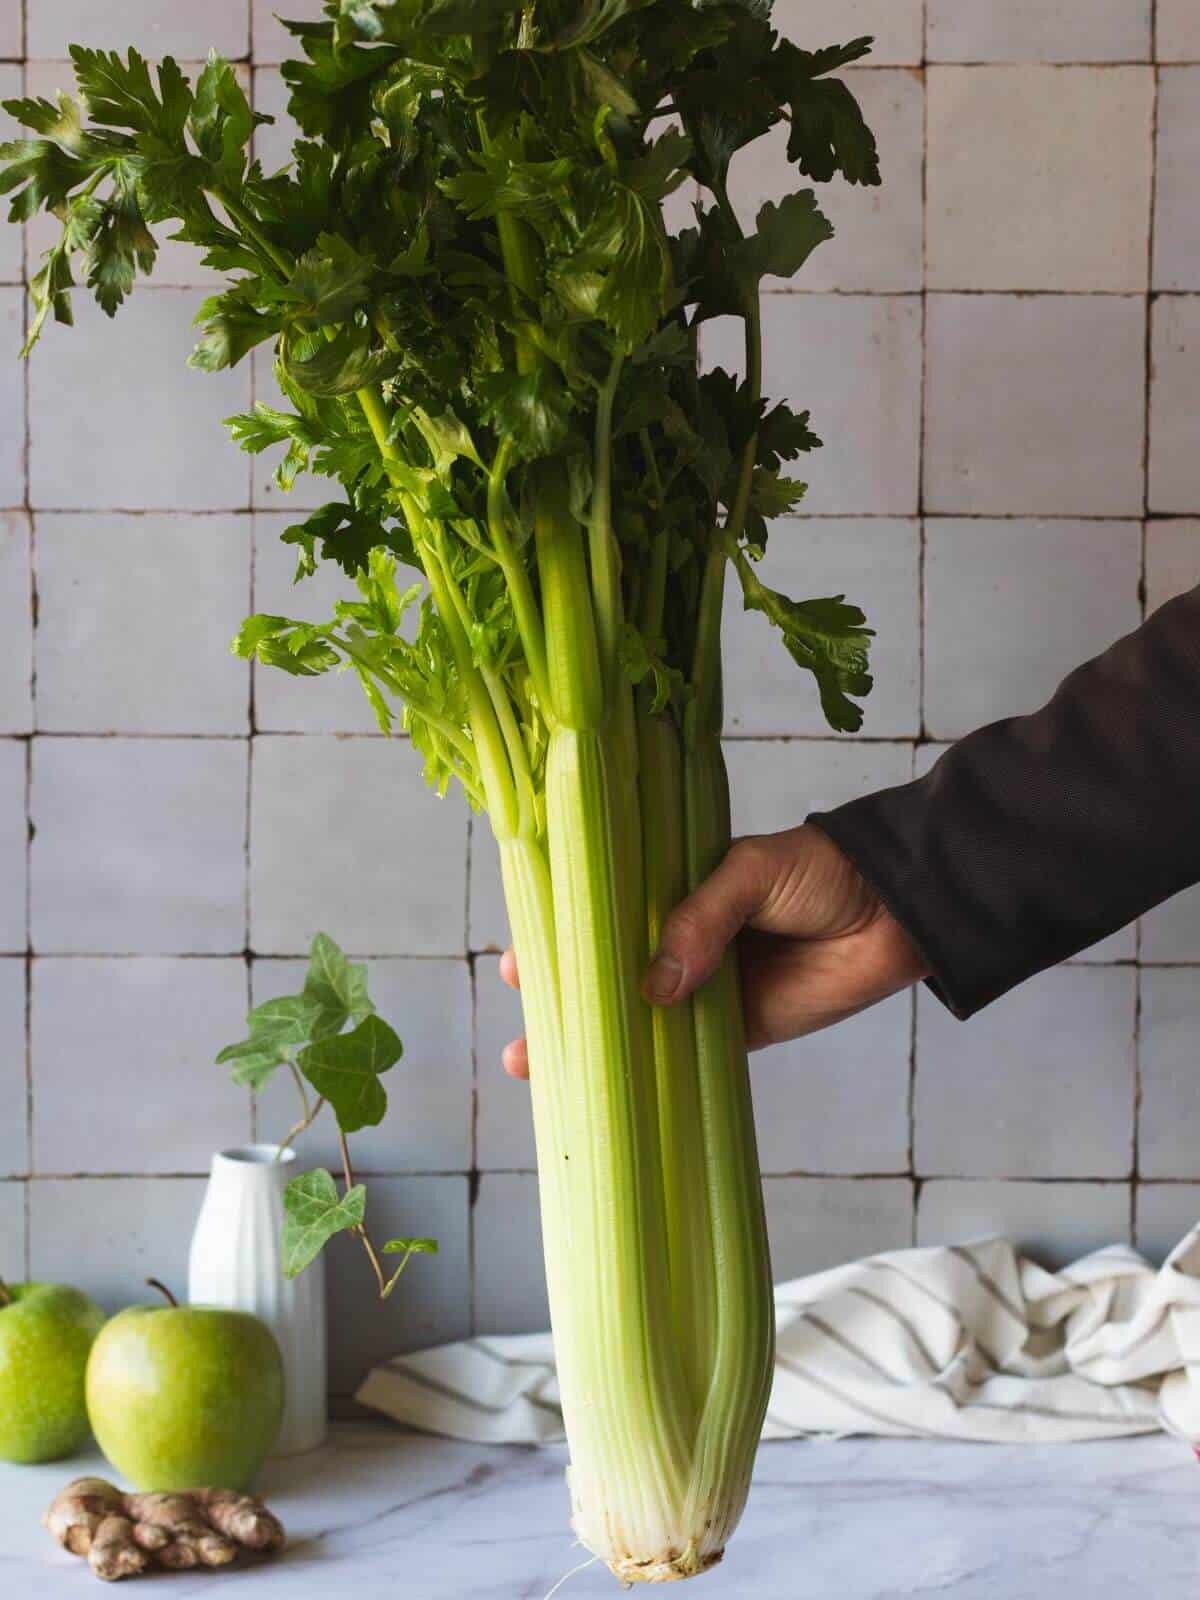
(815, 942)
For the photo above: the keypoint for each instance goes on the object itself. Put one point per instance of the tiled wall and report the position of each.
(1002, 349)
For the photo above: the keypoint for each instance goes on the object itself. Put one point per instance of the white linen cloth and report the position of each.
(956, 1342)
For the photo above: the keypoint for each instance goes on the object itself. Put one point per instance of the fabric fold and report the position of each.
(957, 1342)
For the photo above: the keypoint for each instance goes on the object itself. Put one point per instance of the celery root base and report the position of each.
(688, 1565)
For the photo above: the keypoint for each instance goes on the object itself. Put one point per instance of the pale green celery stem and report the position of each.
(528, 618)
(745, 1328)
(685, 1190)
(602, 545)
(745, 1324)
(631, 1448)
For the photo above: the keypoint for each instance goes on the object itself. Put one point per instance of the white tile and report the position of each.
(1040, 1085)
(12, 30)
(855, 361)
(776, 784)
(895, 25)
(273, 140)
(16, 624)
(1065, 590)
(150, 603)
(1170, 1079)
(1054, 1223)
(877, 240)
(272, 41)
(1174, 432)
(1031, 30)
(14, 1127)
(11, 88)
(1039, 177)
(815, 1223)
(333, 703)
(837, 1101)
(139, 846)
(873, 562)
(510, 1276)
(344, 832)
(148, 1030)
(177, 265)
(1172, 560)
(1176, 215)
(12, 396)
(1119, 946)
(12, 1229)
(1171, 932)
(1035, 405)
(432, 1302)
(14, 844)
(157, 27)
(145, 428)
(488, 921)
(504, 1120)
(108, 1235)
(1178, 30)
(428, 1123)
(1166, 1213)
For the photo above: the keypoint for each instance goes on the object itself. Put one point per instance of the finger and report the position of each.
(508, 968)
(515, 1059)
(696, 934)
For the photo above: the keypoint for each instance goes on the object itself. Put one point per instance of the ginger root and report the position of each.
(124, 1535)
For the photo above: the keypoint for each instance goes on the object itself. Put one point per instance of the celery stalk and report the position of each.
(487, 340)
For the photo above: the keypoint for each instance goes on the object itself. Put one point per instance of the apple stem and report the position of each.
(154, 1283)
(6, 1295)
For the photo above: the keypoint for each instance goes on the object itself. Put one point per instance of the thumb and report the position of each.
(696, 934)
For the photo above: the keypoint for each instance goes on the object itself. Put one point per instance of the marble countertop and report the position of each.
(381, 1514)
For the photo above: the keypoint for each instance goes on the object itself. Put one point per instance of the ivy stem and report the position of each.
(311, 1112)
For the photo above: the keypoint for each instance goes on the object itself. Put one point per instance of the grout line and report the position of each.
(922, 730)
(1136, 1143)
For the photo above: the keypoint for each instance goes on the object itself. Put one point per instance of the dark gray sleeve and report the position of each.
(1034, 837)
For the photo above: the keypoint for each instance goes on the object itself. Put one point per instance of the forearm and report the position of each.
(1036, 836)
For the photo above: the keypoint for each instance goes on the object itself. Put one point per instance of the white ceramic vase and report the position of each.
(236, 1260)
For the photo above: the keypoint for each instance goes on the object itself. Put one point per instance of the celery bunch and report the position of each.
(488, 341)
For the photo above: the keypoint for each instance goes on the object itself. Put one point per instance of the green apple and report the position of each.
(182, 1397)
(46, 1331)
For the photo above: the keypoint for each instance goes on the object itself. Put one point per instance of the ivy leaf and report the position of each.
(313, 1212)
(409, 1247)
(252, 1062)
(335, 987)
(346, 1070)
